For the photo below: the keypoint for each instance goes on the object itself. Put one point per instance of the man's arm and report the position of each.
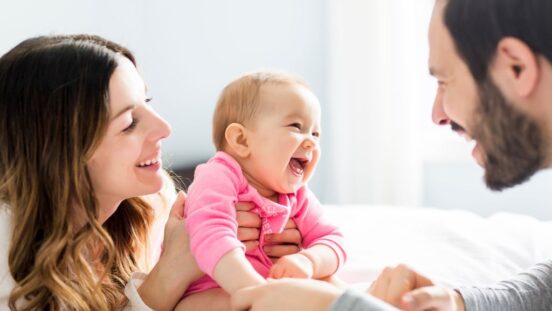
(304, 295)
(530, 290)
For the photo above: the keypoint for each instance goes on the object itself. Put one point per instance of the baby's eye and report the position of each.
(296, 125)
(316, 134)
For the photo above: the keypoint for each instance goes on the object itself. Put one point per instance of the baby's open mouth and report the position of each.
(297, 166)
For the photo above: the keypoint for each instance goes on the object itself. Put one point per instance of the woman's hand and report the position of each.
(286, 243)
(300, 294)
(176, 268)
(176, 242)
(406, 289)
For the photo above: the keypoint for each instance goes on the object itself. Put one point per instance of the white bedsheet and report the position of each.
(451, 247)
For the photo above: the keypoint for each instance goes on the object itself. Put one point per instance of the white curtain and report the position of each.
(380, 99)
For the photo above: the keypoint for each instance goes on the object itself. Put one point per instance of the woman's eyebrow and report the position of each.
(129, 107)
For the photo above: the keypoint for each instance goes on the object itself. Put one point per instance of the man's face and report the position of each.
(509, 144)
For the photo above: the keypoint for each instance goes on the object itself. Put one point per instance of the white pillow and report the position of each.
(451, 247)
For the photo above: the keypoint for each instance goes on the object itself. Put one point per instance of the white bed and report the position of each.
(451, 247)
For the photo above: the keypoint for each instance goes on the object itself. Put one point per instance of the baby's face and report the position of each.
(284, 139)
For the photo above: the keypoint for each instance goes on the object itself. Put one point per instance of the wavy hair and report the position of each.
(54, 111)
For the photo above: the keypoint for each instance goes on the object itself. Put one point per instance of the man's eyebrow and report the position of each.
(127, 108)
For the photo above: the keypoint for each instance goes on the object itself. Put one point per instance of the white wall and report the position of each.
(386, 150)
(377, 96)
(365, 59)
(188, 50)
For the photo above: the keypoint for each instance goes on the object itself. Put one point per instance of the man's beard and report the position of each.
(512, 143)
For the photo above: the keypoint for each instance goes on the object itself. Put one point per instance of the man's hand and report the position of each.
(433, 298)
(406, 289)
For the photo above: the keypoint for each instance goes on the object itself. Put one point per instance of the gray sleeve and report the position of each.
(356, 301)
(531, 290)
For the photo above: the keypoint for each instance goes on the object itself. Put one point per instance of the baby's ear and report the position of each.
(236, 140)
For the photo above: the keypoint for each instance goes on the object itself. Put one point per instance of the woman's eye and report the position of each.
(148, 100)
(295, 125)
(131, 126)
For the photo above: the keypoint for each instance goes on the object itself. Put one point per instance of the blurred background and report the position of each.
(366, 60)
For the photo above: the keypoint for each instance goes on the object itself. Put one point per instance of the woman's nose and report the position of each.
(160, 128)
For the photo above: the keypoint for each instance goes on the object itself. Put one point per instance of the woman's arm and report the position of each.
(176, 268)
(214, 299)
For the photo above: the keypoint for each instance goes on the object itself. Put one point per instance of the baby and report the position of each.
(266, 129)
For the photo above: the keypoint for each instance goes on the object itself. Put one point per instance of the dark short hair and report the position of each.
(477, 26)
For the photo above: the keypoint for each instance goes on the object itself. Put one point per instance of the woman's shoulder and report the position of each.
(5, 232)
(6, 280)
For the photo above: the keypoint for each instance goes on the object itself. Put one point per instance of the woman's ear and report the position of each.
(517, 66)
(236, 139)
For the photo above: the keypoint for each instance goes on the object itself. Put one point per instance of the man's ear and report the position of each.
(236, 139)
(516, 66)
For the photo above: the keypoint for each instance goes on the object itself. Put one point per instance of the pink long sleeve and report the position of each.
(211, 216)
(314, 228)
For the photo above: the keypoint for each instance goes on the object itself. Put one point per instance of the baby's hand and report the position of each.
(292, 266)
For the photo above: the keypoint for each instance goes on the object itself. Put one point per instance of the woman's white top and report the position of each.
(135, 302)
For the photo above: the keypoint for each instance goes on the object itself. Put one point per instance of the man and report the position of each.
(492, 60)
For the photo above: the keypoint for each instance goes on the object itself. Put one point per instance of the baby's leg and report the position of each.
(215, 299)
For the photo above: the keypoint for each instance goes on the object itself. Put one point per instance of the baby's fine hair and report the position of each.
(240, 101)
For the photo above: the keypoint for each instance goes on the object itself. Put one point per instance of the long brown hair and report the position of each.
(54, 112)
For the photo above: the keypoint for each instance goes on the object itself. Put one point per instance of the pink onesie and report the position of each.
(211, 218)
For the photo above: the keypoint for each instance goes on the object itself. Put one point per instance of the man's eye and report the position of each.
(295, 125)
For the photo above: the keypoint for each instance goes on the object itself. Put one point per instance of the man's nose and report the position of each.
(438, 114)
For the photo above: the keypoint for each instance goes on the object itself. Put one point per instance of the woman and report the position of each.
(84, 197)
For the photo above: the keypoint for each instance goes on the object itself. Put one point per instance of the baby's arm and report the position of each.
(316, 262)
(234, 272)
(211, 223)
(324, 252)
(323, 259)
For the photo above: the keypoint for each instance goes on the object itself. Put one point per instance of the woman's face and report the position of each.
(127, 162)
